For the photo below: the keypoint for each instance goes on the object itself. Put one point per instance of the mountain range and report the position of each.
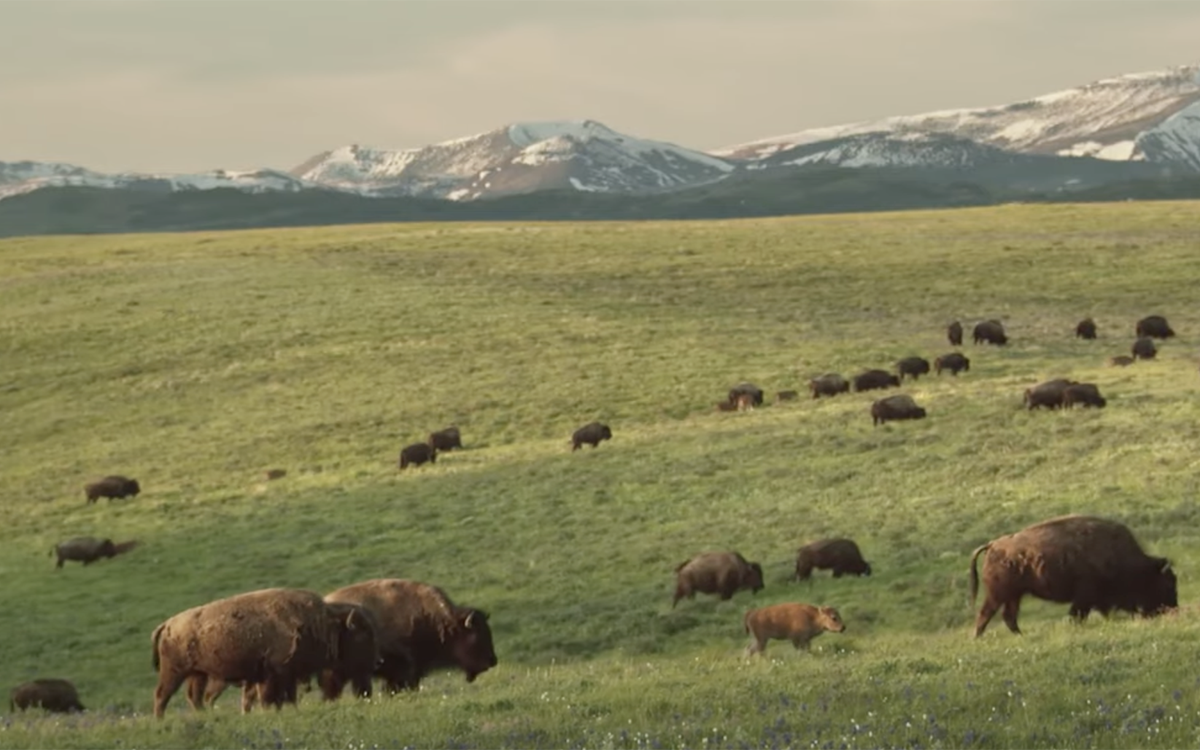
(1133, 128)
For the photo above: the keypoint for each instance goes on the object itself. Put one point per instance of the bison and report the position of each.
(1089, 562)
(1084, 394)
(990, 332)
(53, 695)
(417, 454)
(914, 367)
(273, 474)
(721, 573)
(1144, 348)
(726, 406)
(842, 556)
(954, 332)
(1120, 361)
(88, 549)
(954, 362)
(1047, 395)
(870, 380)
(421, 630)
(268, 639)
(447, 439)
(829, 384)
(790, 621)
(1155, 327)
(1086, 329)
(112, 486)
(749, 389)
(592, 433)
(896, 407)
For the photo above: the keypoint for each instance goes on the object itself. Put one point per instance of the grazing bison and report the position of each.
(787, 396)
(593, 432)
(270, 639)
(54, 695)
(829, 384)
(1086, 329)
(1092, 563)
(112, 486)
(954, 332)
(914, 367)
(871, 380)
(417, 454)
(88, 549)
(1047, 395)
(1144, 348)
(272, 474)
(421, 630)
(447, 439)
(954, 362)
(1155, 327)
(790, 621)
(721, 573)
(1120, 361)
(748, 389)
(990, 332)
(896, 407)
(842, 556)
(1084, 394)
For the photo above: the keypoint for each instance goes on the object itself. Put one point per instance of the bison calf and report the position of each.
(593, 432)
(790, 621)
(954, 362)
(417, 454)
(721, 573)
(54, 695)
(841, 556)
(896, 407)
(112, 486)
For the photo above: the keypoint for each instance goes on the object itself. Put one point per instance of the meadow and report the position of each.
(194, 362)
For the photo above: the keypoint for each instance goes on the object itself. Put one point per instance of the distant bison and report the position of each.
(726, 406)
(417, 454)
(1083, 394)
(914, 367)
(990, 332)
(445, 440)
(87, 549)
(829, 384)
(54, 695)
(790, 621)
(1144, 348)
(1086, 329)
(1090, 562)
(1155, 327)
(841, 556)
(592, 433)
(897, 407)
(272, 474)
(744, 402)
(954, 332)
(749, 389)
(112, 486)
(1048, 395)
(787, 396)
(871, 380)
(954, 362)
(1120, 361)
(721, 573)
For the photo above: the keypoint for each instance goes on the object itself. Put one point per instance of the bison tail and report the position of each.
(974, 573)
(154, 639)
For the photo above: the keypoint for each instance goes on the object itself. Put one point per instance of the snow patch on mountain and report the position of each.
(25, 176)
(1175, 140)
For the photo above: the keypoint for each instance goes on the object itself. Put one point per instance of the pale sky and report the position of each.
(190, 85)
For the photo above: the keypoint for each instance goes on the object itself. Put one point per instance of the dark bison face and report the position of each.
(1159, 594)
(756, 577)
(866, 569)
(605, 432)
(107, 548)
(358, 648)
(472, 643)
(132, 487)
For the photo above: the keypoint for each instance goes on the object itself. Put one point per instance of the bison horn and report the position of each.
(467, 621)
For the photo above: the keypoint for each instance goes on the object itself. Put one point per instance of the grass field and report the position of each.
(195, 362)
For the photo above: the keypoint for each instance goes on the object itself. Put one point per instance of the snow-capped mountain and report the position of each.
(888, 149)
(25, 176)
(520, 158)
(1152, 116)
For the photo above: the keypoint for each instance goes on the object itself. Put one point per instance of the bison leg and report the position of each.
(986, 613)
(332, 684)
(757, 646)
(1011, 608)
(837, 573)
(168, 684)
(801, 643)
(196, 692)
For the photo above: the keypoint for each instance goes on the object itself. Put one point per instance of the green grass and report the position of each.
(194, 362)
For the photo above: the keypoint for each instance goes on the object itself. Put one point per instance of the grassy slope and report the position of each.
(194, 362)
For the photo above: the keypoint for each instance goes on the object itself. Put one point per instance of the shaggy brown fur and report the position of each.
(447, 439)
(1144, 348)
(53, 695)
(990, 332)
(914, 367)
(721, 573)
(841, 556)
(1086, 329)
(829, 384)
(113, 486)
(1092, 563)
(421, 630)
(896, 407)
(954, 362)
(790, 621)
(1047, 395)
(1154, 326)
(85, 549)
(1084, 394)
(416, 454)
(748, 389)
(592, 433)
(954, 333)
(871, 380)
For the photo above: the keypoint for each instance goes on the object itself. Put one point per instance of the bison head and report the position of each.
(1159, 593)
(756, 578)
(471, 643)
(108, 549)
(829, 618)
(132, 487)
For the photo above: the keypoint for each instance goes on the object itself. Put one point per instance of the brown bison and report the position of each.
(871, 380)
(1144, 348)
(842, 556)
(954, 332)
(914, 367)
(829, 384)
(748, 389)
(417, 454)
(273, 474)
(896, 407)
(1091, 563)
(1086, 329)
(1048, 395)
(53, 695)
(87, 549)
(721, 573)
(1120, 361)
(1083, 394)
(421, 630)
(787, 396)
(790, 621)
(112, 486)
(954, 362)
(990, 332)
(269, 639)
(592, 433)
(447, 439)
(1155, 327)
